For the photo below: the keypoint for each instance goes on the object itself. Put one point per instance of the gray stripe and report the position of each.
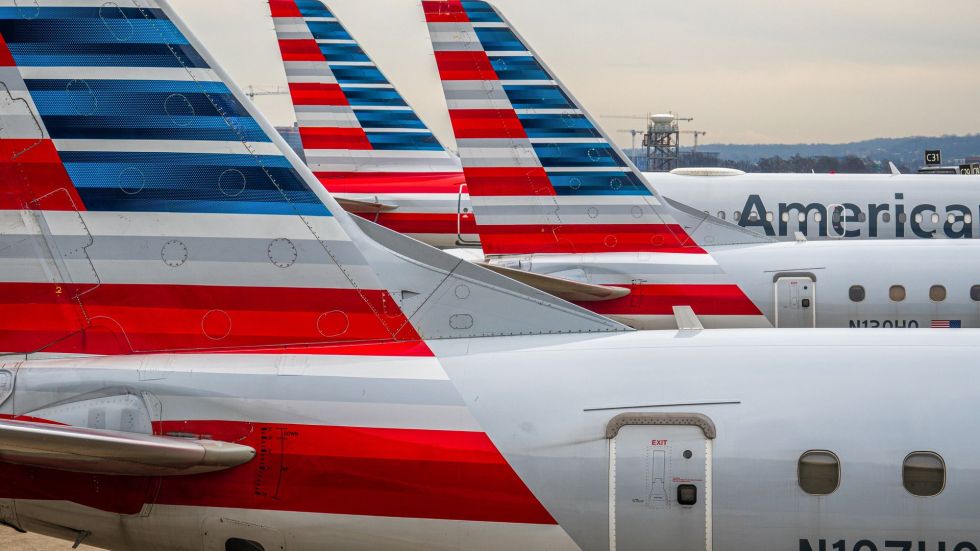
(308, 69)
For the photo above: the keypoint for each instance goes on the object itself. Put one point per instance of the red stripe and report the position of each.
(311, 93)
(508, 182)
(300, 50)
(705, 300)
(33, 177)
(450, 11)
(375, 183)
(486, 123)
(404, 473)
(6, 58)
(465, 66)
(334, 138)
(592, 238)
(419, 223)
(145, 318)
(284, 8)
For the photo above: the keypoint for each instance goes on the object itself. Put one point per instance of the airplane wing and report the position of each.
(357, 206)
(95, 451)
(567, 289)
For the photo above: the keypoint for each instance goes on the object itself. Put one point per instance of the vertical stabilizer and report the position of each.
(156, 210)
(359, 135)
(542, 175)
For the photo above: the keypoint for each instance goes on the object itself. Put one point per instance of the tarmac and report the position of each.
(12, 541)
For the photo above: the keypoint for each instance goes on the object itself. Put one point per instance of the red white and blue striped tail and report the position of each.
(359, 135)
(542, 176)
(146, 206)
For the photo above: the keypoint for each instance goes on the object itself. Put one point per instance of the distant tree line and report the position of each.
(821, 164)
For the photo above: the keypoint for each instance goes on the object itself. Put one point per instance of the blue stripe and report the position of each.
(518, 68)
(597, 183)
(181, 182)
(152, 110)
(389, 119)
(558, 126)
(91, 31)
(499, 40)
(106, 55)
(534, 96)
(398, 141)
(313, 8)
(358, 75)
(577, 155)
(373, 97)
(328, 30)
(343, 52)
(481, 12)
(29, 12)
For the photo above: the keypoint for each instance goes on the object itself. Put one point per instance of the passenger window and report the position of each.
(819, 472)
(856, 293)
(918, 218)
(769, 217)
(951, 219)
(937, 293)
(924, 474)
(862, 218)
(902, 218)
(896, 293)
(886, 218)
(784, 217)
(935, 218)
(753, 217)
(968, 218)
(817, 217)
(975, 293)
(736, 216)
(802, 217)
(721, 214)
(238, 544)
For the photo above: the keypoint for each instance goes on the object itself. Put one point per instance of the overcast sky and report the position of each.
(748, 71)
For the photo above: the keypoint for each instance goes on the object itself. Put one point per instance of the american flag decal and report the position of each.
(946, 324)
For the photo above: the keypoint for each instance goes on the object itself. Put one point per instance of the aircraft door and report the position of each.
(465, 220)
(796, 301)
(660, 482)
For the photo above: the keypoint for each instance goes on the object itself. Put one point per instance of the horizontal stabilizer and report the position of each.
(567, 289)
(74, 449)
(357, 206)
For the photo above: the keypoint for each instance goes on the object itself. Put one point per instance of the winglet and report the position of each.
(687, 320)
(894, 169)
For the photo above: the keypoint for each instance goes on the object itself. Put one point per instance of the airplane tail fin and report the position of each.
(146, 206)
(542, 175)
(359, 135)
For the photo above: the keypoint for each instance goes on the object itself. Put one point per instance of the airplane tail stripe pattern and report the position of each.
(515, 122)
(132, 127)
(359, 136)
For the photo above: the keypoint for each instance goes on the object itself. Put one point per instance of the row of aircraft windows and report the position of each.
(862, 217)
(923, 473)
(896, 293)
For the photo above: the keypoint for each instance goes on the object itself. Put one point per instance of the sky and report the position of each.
(748, 71)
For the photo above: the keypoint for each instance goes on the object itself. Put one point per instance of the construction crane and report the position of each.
(696, 134)
(633, 134)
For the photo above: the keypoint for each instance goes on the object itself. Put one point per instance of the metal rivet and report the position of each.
(616, 183)
(216, 325)
(174, 253)
(593, 212)
(282, 252)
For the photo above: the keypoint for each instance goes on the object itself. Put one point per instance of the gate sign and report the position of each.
(934, 157)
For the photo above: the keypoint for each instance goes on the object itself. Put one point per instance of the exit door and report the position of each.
(796, 302)
(660, 483)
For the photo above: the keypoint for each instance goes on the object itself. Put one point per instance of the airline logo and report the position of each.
(172, 220)
(925, 221)
(542, 177)
(545, 180)
(359, 136)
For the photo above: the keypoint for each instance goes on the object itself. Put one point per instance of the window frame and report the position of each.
(837, 462)
(905, 293)
(941, 462)
(941, 288)
(852, 288)
(975, 297)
